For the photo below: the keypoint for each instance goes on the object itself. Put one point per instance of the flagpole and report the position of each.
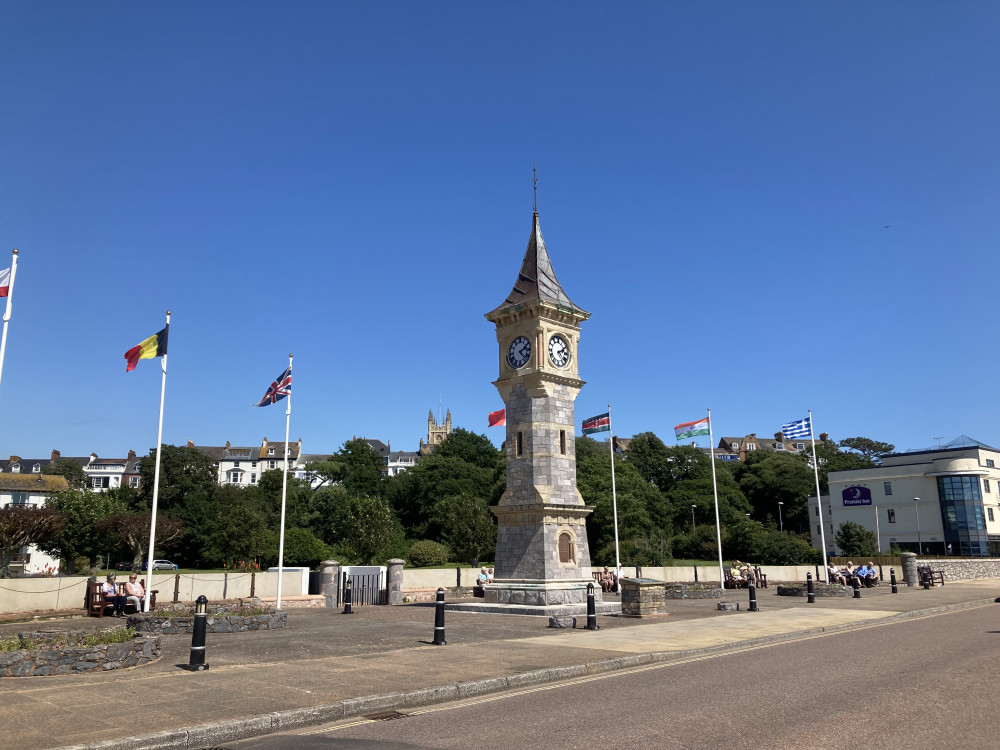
(6, 314)
(819, 499)
(614, 495)
(156, 474)
(715, 494)
(284, 491)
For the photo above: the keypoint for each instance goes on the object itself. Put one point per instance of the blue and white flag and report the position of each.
(800, 429)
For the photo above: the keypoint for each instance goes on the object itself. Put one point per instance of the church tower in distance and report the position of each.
(542, 543)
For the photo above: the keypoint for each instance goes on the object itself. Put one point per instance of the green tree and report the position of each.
(71, 470)
(21, 526)
(831, 458)
(237, 526)
(770, 477)
(364, 529)
(302, 548)
(131, 530)
(469, 447)
(468, 528)
(855, 540)
(356, 466)
(427, 553)
(83, 511)
(644, 525)
(873, 450)
(186, 474)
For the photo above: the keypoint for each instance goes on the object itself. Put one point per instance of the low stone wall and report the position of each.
(51, 660)
(214, 623)
(693, 591)
(962, 569)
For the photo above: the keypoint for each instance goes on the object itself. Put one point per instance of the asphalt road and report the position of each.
(919, 684)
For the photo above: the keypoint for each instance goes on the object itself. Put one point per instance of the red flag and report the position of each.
(498, 418)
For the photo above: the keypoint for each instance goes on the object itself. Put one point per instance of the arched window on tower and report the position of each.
(566, 548)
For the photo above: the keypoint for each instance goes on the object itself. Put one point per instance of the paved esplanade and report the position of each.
(326, 665)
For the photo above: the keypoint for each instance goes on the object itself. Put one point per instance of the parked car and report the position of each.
(162, 565)
(124, 565)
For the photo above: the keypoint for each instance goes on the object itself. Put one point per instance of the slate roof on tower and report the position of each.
(536, 281)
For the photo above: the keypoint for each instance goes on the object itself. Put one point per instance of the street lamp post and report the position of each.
(916, 510)
(781, 523)
(693, 506)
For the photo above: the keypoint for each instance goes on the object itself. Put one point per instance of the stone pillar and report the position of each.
(643, 596)
(395, 582)
(909, 563)
(329, 580)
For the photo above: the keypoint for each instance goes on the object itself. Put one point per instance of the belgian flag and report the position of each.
(154, 346)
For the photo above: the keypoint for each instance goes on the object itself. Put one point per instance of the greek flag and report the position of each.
(800, 429)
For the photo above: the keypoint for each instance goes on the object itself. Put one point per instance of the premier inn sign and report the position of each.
(856, 496)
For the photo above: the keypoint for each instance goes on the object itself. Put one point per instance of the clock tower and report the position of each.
(542, 537)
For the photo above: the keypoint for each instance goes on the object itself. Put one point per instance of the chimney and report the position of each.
(824, 436)
(55, 455)
(227, 444)
(15, 459)
(131, 455)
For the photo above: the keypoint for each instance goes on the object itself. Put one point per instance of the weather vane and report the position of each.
(534, 185)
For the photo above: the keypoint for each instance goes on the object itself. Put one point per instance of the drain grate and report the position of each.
(385, 716)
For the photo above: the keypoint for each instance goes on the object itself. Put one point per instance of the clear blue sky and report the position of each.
(351, 182)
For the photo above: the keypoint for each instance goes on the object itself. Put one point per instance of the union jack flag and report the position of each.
(278, 389)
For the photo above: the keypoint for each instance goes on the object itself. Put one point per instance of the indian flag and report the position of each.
(691, 429)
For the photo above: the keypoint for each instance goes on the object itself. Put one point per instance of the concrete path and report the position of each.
(326, 666)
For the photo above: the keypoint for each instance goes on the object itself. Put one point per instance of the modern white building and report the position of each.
(941, 501)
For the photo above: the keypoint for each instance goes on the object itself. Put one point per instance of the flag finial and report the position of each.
(15, 251)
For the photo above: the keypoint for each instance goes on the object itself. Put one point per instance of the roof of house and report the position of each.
(33, 482)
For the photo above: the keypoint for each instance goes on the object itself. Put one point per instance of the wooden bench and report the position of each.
(924, 572)
(97, 604)
(761, 578)
(732, 582)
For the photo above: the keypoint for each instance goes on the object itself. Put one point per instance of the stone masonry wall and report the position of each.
(78, 659)
(962, 569)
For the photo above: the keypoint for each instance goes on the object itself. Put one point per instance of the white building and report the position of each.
(942, 501)
(243, 465)
(30, 490)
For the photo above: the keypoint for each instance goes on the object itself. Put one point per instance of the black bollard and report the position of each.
(857, 587)
(439, 620)
(753, 596)
(892, 579)
(591, 609)
(927, 579)
(810, 592)
(348, 598)
(197, 661)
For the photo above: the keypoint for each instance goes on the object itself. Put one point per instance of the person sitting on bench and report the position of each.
(109, 589)
(134, 592)
(867, 575)
(607, 580)
(835, 576)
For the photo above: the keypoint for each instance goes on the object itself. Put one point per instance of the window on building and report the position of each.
(777, 446)
(272, 464)
(236, 463)
(133, 482)
(15, 468)
(253, 464)
(989, 513)
(734, 446)
(37, 469)
(800, 446)
(891, 513)
(270, 451)
(817, 510)
(234, 476)
(986, 486)
(99, 483)
(520, 443)
(253, 479)
(989, 463)
(562, 443)
(566, 548)
(818, 530)
(19, 498)
(751, 446)
(887, 486)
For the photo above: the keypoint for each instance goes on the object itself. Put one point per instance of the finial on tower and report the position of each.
(534, 186)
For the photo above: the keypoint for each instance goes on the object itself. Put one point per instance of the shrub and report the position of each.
(425, 553)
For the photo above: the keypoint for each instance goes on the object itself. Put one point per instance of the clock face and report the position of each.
(558, 351)
(519, 352)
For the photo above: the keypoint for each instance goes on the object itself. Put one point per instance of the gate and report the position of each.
(368, 585)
